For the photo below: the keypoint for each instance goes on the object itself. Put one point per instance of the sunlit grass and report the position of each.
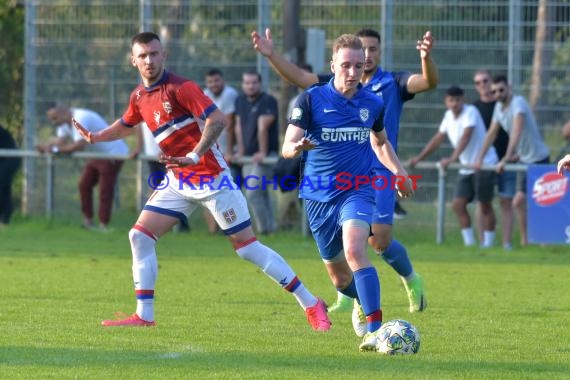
(491, 314)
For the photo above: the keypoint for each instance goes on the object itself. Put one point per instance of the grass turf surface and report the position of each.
(491, 314)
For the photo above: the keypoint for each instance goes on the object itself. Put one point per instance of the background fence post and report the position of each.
(263, 22)
(49, 185)
(440, 204)
(29, 203)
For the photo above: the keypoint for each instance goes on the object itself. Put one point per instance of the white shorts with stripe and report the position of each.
(177, 198)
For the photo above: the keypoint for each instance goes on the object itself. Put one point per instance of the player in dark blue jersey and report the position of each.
(395, 88)
(341, 127)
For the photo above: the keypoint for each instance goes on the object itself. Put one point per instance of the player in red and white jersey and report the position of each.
(170, 106)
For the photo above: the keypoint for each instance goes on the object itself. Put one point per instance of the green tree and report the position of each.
(12, 68)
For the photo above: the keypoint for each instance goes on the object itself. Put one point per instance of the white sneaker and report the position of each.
(368, 342)
(358, 320)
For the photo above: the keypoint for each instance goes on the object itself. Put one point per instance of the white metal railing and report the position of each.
(140, 159)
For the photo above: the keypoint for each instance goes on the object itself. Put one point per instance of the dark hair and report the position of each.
(213, 72)
(144, 38)
(454, 91)
(252, 72)
(500, 79)
(369, 33)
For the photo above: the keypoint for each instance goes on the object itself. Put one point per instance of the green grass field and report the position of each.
(491, 314)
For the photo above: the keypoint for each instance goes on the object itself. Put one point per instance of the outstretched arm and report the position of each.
(514, 137)
(564, 164)
(461, 145)
(114, 131)
(432, 145)
(429, 77)
(286, 69)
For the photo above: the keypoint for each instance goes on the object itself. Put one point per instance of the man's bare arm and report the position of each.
(214, 126)
(114, 131)
(286, 69)
(429, 78)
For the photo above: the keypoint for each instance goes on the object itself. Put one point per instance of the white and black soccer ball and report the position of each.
(398, 337)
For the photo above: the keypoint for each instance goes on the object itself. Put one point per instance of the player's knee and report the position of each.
(248, 249)
(341, 280)
(379, 242)
(259, 254)
(486, 208)
(141, 243)
(519, 201)
(458, 205)
(380, 247)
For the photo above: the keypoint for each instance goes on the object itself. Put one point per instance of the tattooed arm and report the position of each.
(215, 124)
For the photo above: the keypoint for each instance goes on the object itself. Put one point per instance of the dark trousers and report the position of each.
(104, 173)
(8, 169)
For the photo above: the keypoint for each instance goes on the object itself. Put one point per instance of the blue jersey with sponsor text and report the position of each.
(392, 88)
(340, 127)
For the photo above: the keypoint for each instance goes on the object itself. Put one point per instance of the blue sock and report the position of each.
(397, 257)
(368, 286)
(350, 290)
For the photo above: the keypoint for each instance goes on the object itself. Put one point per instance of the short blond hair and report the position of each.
(349, 41)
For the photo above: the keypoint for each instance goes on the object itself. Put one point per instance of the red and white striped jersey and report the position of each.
(171, 108)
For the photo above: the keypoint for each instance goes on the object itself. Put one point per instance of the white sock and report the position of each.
(468, 236)
(145, 271)
(488, 239)
(276, 268)
(304, 297)
(145, 309)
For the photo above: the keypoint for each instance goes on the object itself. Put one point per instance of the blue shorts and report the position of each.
(507, 184)
(385, 200)
(326, 219)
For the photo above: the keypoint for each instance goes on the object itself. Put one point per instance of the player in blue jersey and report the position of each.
(341, 127)
(395, 88)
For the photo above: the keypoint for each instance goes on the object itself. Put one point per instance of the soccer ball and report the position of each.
(397, 337)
